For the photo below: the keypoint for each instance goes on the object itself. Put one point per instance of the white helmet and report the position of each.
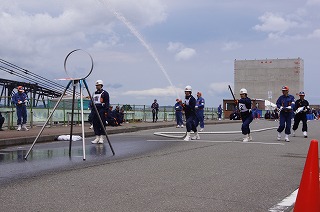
(188, 88)
(243, 90)
(99, 82)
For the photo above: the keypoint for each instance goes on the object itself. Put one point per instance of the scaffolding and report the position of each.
(37, 87)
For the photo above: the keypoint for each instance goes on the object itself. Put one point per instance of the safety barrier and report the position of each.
(62, 115)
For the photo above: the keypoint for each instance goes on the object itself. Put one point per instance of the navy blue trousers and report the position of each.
(21, 114)
(285, 122)
(246, 120)
(190, 124)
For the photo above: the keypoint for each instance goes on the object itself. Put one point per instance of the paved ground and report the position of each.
(13, 137)
(156, 173)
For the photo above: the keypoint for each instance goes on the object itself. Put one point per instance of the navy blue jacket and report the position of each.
(189, 106)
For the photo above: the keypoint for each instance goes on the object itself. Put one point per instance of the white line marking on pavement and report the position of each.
(286, 203)
(217, 132)
(209, 141)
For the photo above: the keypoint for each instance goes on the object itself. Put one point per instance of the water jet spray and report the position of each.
(137, 34)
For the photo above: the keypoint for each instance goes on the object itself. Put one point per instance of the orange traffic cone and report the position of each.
(309, 195)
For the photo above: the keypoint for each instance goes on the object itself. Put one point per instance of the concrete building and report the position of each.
(264, 78)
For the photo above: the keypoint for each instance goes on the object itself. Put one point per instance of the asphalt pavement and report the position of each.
(50, 133)
(157, 173)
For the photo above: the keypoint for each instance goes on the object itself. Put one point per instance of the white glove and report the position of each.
(196, 106)
(289, 107)
(281, 108)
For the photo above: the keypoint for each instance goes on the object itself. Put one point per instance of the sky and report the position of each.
(151, 49)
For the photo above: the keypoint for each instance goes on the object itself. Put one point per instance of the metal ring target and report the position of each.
(67, 57)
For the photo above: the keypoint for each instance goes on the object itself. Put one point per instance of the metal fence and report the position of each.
(62, 114)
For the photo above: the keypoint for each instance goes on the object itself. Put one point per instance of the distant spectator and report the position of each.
(219, 112)
(200, 111)
(1, 121)
(235, 115)
(178, 109)
(255, 112)
(117, 116)
(155, 110)
(20, 99)
(111, 119)
(267, 115)
(121, 116)
(272, 116)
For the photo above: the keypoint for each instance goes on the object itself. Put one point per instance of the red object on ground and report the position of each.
(308, 198)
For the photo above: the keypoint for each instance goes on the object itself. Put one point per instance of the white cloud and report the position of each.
(231, 46)
(219, 87)
(274, 23)
(167, 91)
(315, 34)
(185, 54)
(182, 52)
(175, 46)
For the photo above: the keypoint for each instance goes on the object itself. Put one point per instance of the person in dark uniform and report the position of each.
(219, 112)
(267, 115)
(244, 105)
(155, 110)
(200, 111)
(111, 119)
(301, 107)
(178, 109)
(1, 121)
(284, 105)
(121, 116)
(190, 113)
(117, 115)
(20, 99)
(101, 100)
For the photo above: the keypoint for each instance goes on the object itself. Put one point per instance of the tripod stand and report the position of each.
(74, 83)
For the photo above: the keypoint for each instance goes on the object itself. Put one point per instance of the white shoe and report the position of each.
(100, 139)
(196, 136)
(294, 133)
(219, 119)
(250, 137)
(201, 129)
(24, 127)
(178, 126)
(91, 127)
(95, 141)
(245, 139)
(187, 138)
(279, 136)
(19, 127)
(286, 138)
(181, 126)
(305, 134)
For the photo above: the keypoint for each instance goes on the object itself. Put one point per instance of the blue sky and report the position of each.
(195, 42)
